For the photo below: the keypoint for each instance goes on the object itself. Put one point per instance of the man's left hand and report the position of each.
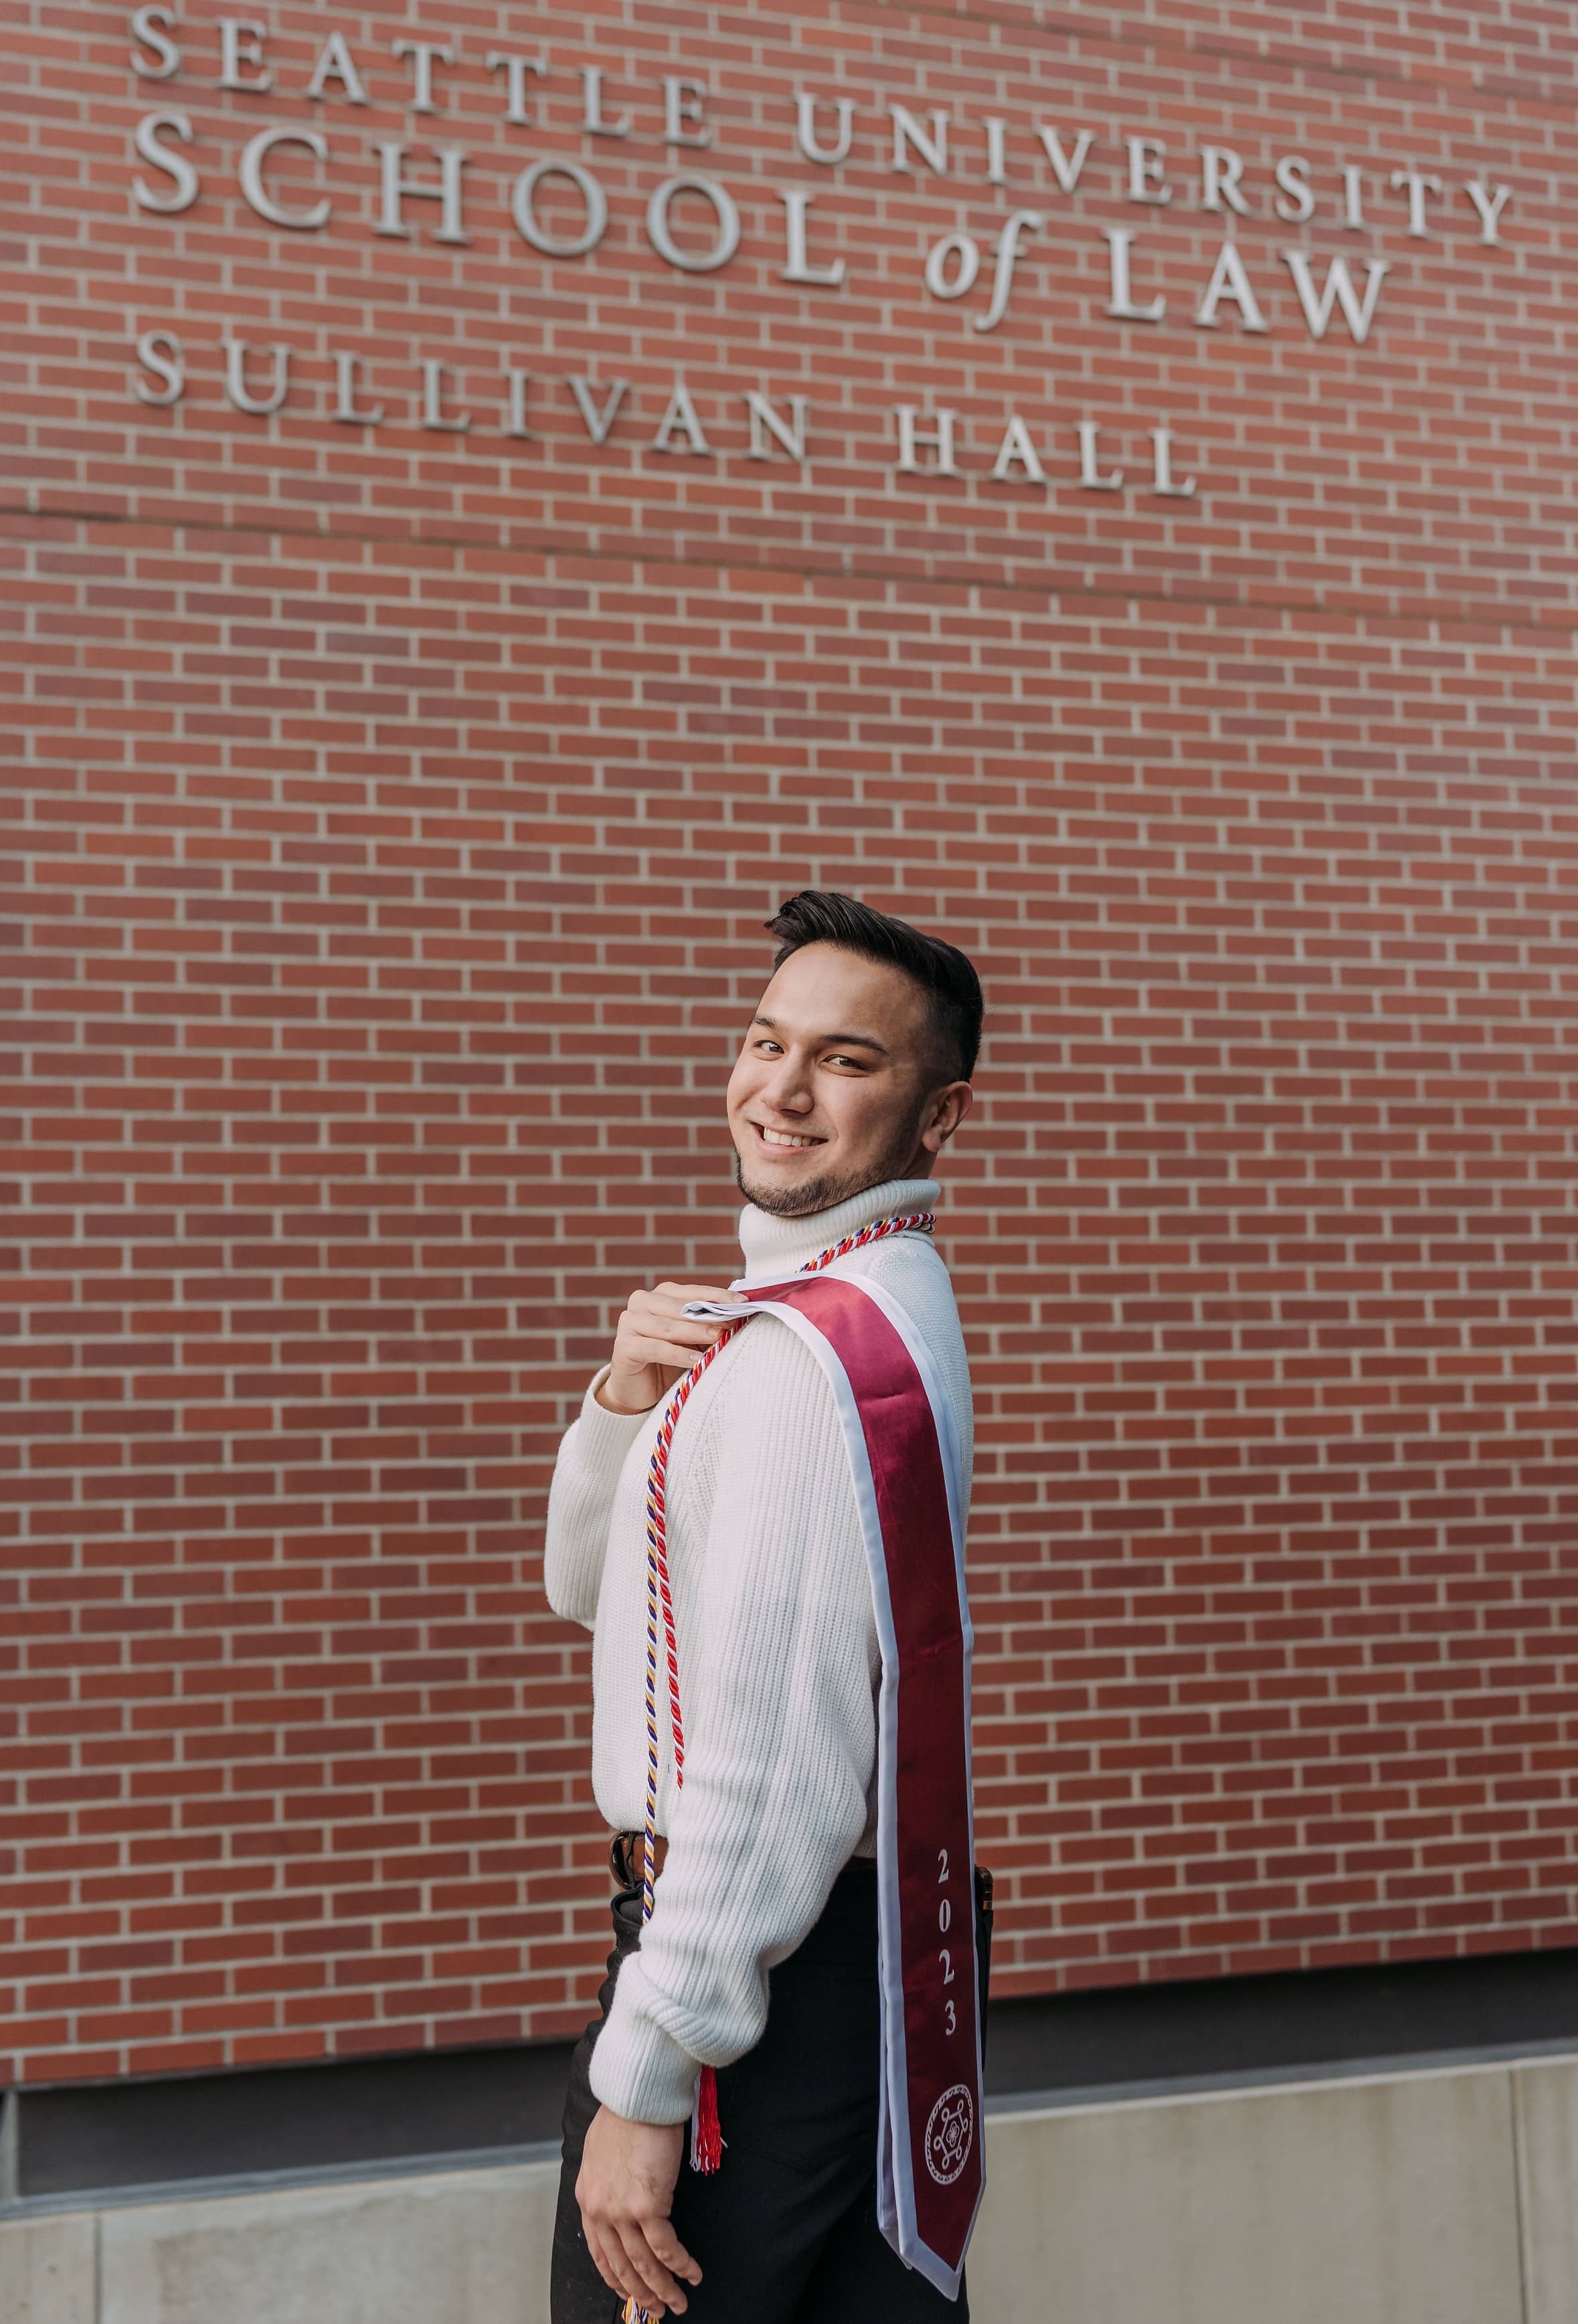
(626, 2190)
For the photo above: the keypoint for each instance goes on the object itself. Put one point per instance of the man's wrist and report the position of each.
(629, 2122)
(606, 1434)
(622, 1411)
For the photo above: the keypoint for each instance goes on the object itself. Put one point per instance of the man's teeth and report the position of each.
(778, 1137)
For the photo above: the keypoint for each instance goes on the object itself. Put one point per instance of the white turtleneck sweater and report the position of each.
(779, 1659)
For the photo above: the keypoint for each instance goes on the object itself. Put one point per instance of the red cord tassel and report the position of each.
(706, 2137)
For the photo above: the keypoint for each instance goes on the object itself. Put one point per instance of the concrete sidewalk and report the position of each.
(1442, 2195)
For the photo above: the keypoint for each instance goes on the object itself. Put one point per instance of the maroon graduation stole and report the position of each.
(904, 1463)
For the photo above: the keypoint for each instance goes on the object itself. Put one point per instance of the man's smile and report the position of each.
(783, 1141)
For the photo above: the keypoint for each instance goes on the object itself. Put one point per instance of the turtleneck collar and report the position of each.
(775, 1247)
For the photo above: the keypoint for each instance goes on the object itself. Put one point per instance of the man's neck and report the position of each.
(775, 1247)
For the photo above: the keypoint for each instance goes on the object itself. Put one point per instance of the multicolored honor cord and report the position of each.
(706, 2142)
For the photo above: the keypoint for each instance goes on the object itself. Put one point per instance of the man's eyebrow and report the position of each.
(840, 1040)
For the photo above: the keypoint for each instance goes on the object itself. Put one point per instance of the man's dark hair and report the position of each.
(818, 915)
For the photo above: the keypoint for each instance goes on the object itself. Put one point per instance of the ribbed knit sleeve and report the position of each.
(778, 1696)
(586, 1474)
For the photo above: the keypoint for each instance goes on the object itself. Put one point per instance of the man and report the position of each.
(760, 1956)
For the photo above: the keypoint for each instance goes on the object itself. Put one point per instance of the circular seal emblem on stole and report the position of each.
(950, 2130)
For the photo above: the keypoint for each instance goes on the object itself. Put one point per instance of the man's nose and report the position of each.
(789, 1091)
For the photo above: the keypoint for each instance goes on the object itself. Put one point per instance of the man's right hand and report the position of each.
(656, 1345)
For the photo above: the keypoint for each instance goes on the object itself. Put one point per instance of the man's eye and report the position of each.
(771, 1046)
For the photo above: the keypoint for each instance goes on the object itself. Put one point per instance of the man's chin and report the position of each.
(799, 1201)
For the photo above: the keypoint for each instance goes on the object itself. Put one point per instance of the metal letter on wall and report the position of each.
(515, 69)
(966, 250)
(517, 383)
(1488, 205)
(806, 129)
(1294, 202)
(1229, 281)
(1418, 184)
(396, 186)
(145, 137)
(1339, 291)
(523, 210)
(1121, 303)
(163, 354)
(237, 389)
(907, 131)
(154, 25)
(422, 53)
(728, 218)
(1065, 166)
(1163, 480)
(599, 420)
(681, 414)
(345, 407)
(1146, 171)
(912, 435)
(433, 412)
(592, 118)
(1221, 168)
(335, 58)
(1007, 242)
(1090, 471)
(765, 421)
(684, 114)
(250, 173)
(1016, 446)
(797, 268)
(241, 43)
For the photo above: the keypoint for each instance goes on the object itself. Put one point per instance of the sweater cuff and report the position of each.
(606, 1435)
(637, 2070)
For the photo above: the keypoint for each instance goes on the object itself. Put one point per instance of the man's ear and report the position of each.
(947, 1110)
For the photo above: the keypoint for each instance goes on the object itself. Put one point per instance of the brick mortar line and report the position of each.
(1162, 40)
(1558, 621)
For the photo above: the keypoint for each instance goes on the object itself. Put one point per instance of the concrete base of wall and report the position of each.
(1440, 2196)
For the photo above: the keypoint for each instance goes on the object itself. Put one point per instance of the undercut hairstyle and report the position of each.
(944, 974)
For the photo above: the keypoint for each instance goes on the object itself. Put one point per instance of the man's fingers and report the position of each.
(615, 2272)
(624, 2258)
(692, 1331)
(594, 2246)
(656, 2287)
(668, 2248)
(656, 1344)
(672, 1304)
(649, 1349)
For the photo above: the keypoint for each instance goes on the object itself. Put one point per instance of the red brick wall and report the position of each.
(395, 812)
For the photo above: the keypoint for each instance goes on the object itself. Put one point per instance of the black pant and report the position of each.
(786, 2232)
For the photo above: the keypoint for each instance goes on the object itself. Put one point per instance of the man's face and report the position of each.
(837, 1086)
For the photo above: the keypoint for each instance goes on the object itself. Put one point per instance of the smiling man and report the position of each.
(754, 1980)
